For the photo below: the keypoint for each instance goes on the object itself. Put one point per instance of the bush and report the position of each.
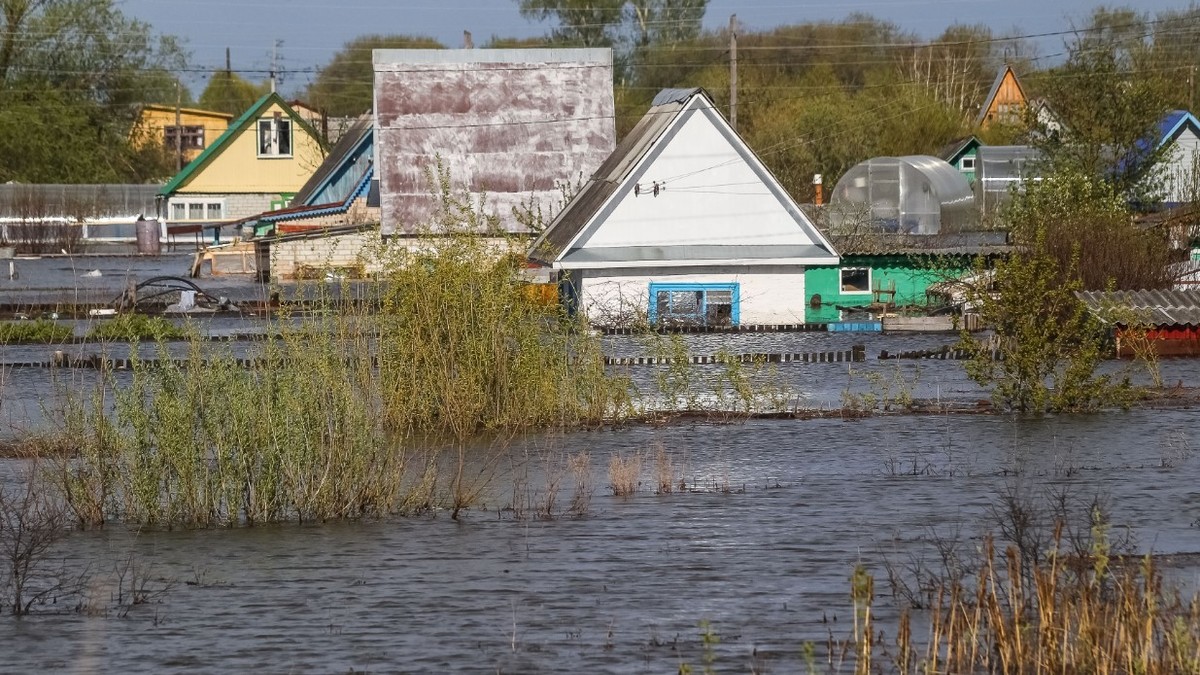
(40, 331)
(134, 327)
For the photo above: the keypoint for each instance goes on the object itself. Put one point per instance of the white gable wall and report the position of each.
(723, 202)
(1181, 165)
(767, 295)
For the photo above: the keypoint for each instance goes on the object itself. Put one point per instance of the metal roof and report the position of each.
(346, 151)
(555, 239)
(1157, 308)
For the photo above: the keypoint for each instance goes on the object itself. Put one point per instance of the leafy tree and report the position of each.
(1073, 233)
(344, 87)
(663, 22)
(587, 23)
(229, 93)
(72, 74)
(1110, 106)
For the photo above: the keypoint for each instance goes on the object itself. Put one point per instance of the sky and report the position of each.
(311, 31)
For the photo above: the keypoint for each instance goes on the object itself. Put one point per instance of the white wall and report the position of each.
(1180, 182)
(769, 296)
(723, 203)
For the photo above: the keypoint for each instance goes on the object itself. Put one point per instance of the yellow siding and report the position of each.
(239, 169)
(154, 120)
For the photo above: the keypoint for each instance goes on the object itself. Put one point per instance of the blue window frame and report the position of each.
(674, 304)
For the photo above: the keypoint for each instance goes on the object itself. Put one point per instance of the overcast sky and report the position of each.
(311, 31)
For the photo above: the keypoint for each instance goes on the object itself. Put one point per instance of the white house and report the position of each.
(683, 224)
(1180, 131)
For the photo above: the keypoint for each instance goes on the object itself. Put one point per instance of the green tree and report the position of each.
(1110, 104)
(229, 93)
(345, 86)
(587, 23)
(664, 22)
(72, 74)
(1073, 233)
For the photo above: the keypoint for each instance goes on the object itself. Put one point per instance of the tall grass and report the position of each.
(1067, 613)
(351, 413)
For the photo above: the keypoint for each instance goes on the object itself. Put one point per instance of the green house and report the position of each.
(963, 155)
(893, 272)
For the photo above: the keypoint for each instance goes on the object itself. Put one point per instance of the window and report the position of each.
(694, 304)
(193, 137)
(966, 164)
(275, 137)
(197, 209)
(856, 280)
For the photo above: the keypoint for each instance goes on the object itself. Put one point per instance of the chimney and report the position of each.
(819, 198)
(468, 41)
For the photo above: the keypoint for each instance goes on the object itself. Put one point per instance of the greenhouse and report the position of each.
(908, 195)
(1001, 169)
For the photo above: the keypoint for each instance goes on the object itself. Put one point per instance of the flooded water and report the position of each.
(761, 544)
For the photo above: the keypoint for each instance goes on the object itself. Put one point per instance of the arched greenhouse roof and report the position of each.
(917, 194)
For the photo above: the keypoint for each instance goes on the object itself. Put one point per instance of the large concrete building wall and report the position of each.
(511, 126)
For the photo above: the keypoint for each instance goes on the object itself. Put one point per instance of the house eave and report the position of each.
(682, 264)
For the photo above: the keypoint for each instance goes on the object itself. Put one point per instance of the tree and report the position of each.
(1073, 233)
(664, 22)
(345, 86)
(587, 23)
(72, 73)
(229, 93)
(1110, 104)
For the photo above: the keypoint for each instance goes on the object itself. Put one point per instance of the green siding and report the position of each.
(911, 274)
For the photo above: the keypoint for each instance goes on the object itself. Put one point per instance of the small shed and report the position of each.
(1179, 132)
(917, 194)
(1171, 319)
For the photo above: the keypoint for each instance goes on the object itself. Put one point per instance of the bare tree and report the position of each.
(31, 524)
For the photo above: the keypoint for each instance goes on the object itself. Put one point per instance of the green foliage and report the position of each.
(345, 86)
(1110, 102)
(587, 23)
(231, 94)
(72, 73)
(39, 331)
(134, 327)
(1049, 343)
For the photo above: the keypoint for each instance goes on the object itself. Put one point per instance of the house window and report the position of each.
(275, 137)
(193, 137)
(197, 209)
(856, 280)
(694, 304)
(966, 164)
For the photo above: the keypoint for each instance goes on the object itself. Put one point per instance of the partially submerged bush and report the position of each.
(39, 331)
(134, 327)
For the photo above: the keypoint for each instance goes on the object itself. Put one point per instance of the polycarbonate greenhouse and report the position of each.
(1001, 169)
(917, 194)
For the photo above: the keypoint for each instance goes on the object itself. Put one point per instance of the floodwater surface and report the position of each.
(760, 544)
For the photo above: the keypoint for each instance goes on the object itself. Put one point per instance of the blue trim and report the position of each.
(735, 288)
(300, 214)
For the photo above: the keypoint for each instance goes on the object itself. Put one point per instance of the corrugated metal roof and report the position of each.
(1158, 308)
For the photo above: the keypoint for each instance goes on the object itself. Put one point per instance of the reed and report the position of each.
(1094, 613)
(625, 473)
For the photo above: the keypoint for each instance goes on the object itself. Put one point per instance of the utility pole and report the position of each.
(274, 63)
(733, 71)
(178, 128)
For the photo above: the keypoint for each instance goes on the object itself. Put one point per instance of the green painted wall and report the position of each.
(911, 274)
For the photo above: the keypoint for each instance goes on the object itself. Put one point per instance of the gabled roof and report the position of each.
(1174, 123)
(1005, 71)
(307, 211)
(235, 129)
(954, 151)
(616, 178)
(346, 151)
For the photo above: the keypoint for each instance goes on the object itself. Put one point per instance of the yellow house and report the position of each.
(188, 133)
(257, 165)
